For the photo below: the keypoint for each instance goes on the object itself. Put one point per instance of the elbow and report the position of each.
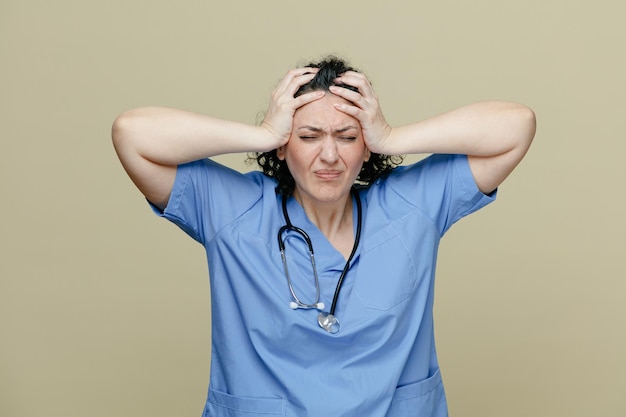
(130, 127)
(123, 125)
(528, 125)
(119, 129)
(522, 125)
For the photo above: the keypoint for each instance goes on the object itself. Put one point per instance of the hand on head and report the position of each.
(364, 107)
(279, 117)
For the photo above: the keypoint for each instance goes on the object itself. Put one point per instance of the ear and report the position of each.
(280, 153)
(367, 154)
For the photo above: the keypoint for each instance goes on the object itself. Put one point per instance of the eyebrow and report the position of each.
(318, 129)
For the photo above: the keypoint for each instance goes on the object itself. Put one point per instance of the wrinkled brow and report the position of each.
(319, 129)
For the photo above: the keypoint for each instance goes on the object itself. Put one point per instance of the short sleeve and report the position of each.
(206, 196)
(442, 186)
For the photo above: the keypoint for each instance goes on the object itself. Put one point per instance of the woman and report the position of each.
(322, 267)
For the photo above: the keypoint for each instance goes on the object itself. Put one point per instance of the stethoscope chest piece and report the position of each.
(328, 322)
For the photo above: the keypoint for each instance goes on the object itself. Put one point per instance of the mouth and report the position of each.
(327, 174)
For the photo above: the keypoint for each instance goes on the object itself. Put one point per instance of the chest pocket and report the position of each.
(386, 274)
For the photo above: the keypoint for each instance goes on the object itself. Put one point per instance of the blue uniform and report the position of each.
(270, 360)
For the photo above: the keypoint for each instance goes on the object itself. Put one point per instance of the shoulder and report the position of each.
(440, 187)
(428, 174)
(208, 195)
(215, 177)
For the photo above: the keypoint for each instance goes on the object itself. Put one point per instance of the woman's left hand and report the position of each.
(365, 108)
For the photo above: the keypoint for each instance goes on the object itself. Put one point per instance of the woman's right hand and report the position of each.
(279, 117)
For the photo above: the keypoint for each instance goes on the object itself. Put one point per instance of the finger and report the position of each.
(352, 96)
(295, 79)
(307, 98)
(303, 79)
(358, 81)
(353, 78)
(298, 74)
(350, 110)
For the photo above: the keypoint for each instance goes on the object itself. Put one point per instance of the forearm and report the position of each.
(170, 137)
(482, 129)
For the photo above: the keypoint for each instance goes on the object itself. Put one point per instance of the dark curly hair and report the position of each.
(377, 166)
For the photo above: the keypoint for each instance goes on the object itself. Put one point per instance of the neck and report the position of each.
(333, 219)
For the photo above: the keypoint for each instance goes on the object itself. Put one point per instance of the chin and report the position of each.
(324, 192)
(331, 194)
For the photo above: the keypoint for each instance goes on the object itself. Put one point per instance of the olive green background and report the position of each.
(104, 308)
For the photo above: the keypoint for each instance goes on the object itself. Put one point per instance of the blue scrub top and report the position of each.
(268, 359)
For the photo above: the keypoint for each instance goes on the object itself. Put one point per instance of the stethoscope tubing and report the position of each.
(357, 238)
(281, 245)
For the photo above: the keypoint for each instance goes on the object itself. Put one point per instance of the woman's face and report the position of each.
(325, 152)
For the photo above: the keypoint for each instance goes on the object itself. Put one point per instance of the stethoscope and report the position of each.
(325, 319)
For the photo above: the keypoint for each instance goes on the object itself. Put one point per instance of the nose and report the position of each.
(329, 152)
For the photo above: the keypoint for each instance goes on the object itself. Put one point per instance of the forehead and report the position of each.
(322, 112)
